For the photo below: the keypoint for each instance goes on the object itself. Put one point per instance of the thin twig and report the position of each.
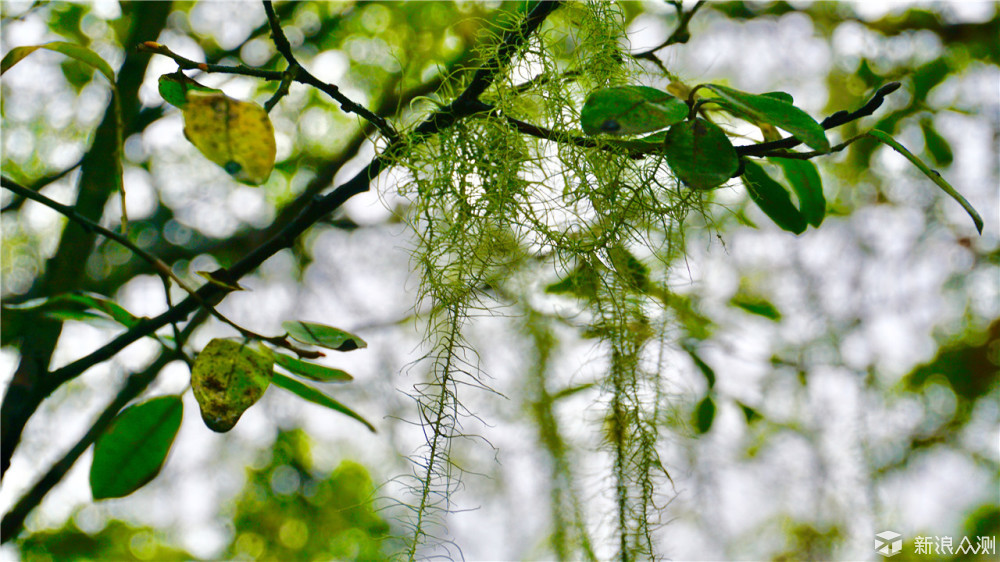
(13, 521)
(680, 35)
(304, 77)
(161, 268)
(315, 211)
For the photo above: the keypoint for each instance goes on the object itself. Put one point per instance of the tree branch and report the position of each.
(304, 77)
(13, 521)
(315, 211)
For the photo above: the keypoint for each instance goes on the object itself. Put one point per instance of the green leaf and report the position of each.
(82, 54)
(702, 366)
(569, 391)
(884, 137)
(704, 414)
(772, 198)
(323, 336)
(630, 110)
(175, 86)
(227, 378)
(756, 305)
(700, 154)
(581, 282)
(316, 397)
(236, 135)
(749, 413)
(937, 146)
(808, 187)
(629, 268)
(311, 370)
(91, 58)
(73, 306)
(783, 96)
(777, 112)
(133, 449)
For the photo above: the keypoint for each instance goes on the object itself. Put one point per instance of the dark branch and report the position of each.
(315, 211)
(304, 77)
(13, 521)
(680, 35)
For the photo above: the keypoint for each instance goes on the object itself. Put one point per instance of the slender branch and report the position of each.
(159, 266)
(13, 521)
(303, 76)
(188, 64)
(680, 35)
(315, 211)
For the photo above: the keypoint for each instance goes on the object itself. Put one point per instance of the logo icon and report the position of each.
(888, 543)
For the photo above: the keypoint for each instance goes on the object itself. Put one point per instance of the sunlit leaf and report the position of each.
(772, 198)
(80, 53)
(311, 370)
(808, 187)
(630, 110)
(323, 336)
(776, 111)
(133, 449)
(175, 86)
(234, 134)
(75, 306)
(316, 397)
(227, 378)
(700, 154)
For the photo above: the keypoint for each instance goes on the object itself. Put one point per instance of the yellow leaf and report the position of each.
(234, 134)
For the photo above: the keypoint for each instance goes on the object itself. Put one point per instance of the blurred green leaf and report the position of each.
(75, 306)
(704, 415)
(749, 413)
(630, 110)
(316, 397)
(756, 305)
(311, 370)
(323, 336)
(702, 366)
(971, 365)
(700, 153)
(569, 391)
(82, 54)
(937, 146)
(775, 111)
(133, 449)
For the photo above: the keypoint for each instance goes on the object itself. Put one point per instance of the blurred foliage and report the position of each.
(391, 54)
(116, 541)
(287, 511)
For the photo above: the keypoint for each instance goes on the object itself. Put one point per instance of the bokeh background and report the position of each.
(856, 364)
